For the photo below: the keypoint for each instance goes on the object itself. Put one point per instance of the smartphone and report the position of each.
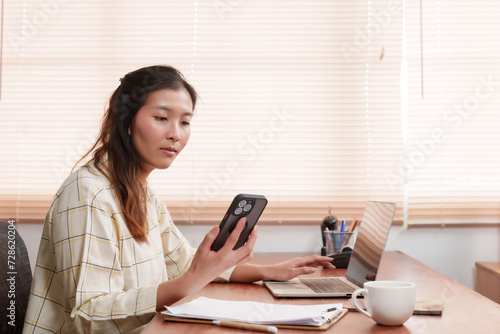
(243, 205)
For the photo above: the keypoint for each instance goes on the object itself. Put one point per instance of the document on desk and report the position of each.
(255, 312)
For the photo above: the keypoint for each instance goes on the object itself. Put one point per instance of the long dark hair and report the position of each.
(113, 153)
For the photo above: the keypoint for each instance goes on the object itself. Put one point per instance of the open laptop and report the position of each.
(363, 265)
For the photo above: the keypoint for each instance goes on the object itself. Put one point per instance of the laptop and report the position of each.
(363, 265)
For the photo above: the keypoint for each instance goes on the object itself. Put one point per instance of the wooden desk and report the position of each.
(465, 311)
(488, 280)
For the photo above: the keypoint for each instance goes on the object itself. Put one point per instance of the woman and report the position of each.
(110, 255)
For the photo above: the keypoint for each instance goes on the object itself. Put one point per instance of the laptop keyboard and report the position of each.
(328, 285)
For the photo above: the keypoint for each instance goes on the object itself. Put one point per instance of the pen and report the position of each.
(351, 228)
(330, 243)
(353, 224)
(342, 230)
(329, 310)
(244, 325)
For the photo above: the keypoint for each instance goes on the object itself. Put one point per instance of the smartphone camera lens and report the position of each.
(238, 211)
(247, 207)
(242, 203)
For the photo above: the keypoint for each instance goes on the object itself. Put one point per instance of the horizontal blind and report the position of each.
(453, 148)
(299, 101)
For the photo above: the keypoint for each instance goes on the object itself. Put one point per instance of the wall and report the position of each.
(451, 251)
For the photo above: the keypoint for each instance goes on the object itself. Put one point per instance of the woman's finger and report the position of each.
(246, 252)
(235, 234)
(209, 238)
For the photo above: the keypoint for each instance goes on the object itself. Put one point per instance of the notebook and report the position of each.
(363, 265)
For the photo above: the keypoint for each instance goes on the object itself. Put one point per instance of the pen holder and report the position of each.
(336, 241)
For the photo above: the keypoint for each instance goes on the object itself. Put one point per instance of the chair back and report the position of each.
(15, 282)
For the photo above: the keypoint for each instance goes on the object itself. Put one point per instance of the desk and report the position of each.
(465, 311)
(488, 280)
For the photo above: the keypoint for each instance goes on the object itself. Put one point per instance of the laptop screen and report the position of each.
(370, 242)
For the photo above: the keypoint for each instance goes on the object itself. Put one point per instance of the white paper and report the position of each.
(254, 312)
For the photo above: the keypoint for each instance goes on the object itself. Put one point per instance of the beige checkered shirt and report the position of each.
(91, 275)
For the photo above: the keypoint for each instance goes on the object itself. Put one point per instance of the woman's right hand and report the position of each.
(207, 265)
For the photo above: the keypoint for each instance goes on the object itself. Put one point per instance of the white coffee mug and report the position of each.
(389, 303)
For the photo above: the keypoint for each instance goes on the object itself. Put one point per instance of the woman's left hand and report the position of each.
(282, 271)
(287, 270)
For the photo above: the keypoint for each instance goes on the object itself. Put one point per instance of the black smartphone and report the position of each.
(243, 205)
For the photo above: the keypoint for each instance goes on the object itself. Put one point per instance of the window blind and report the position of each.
(452, 159)
(299, 101)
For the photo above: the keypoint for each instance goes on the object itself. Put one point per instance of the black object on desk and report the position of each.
(340, 260)
(329, 222)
